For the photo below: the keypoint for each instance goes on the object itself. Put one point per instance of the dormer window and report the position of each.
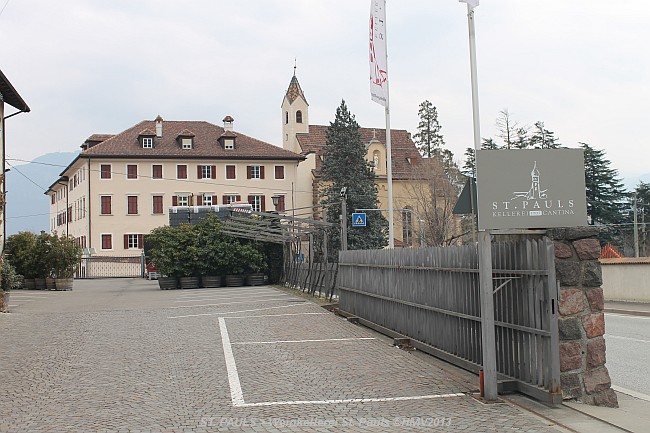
(185, 139)
(147, 142)
(229, 143)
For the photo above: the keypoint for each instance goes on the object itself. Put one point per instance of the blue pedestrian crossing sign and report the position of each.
(358, 220)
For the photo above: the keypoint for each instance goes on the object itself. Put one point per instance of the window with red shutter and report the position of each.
(261, 172)
(230, 172)
(105, 205)
(132, 204)
(174, 200)
(199, 200)
(213, 172)
(281, 205)
(199, 171)
(105, 171)
(107, 242)
(157, 204)
(131, 171)
(249, 172)
(279, 171)
(181, 171)
(157, 171)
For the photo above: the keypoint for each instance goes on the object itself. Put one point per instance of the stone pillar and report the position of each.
(584, 376)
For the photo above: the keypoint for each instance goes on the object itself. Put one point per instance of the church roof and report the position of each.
(403, 151)
(294, 91)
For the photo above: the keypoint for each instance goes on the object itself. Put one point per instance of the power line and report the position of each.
(26, 177)
(3, 7)
(27, 216)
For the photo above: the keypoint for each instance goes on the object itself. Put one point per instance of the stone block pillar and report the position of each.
(584, 376)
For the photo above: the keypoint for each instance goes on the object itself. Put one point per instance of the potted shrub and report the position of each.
(160, 245)
(234, 264)
(66, 257)
(20, 249)
(255, 266)
(211, 255)
(42, 260)
(9, 280)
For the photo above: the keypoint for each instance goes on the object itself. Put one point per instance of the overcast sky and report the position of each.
(91, 66)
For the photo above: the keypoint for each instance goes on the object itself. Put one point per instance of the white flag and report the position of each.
(472, 3)
(378, 59)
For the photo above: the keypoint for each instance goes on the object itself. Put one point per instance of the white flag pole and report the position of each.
(379, 91)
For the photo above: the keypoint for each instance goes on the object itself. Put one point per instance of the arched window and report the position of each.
(286, 117)
(298, 116)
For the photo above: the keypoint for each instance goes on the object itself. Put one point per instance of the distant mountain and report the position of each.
(27, 206)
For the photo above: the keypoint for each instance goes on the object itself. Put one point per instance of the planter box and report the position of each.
(64, 283)
(234, 280)
(29, 284)
(39, 283)
(188, 282)
(211, 281)
(50, 284)
(167, 283)
(255, 279)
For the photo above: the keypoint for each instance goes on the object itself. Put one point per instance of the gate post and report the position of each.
(487, 315)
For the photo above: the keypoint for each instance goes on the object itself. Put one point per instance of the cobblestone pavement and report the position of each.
(123, 356)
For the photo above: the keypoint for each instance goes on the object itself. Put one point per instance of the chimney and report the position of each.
(227, 123)
(159, 121)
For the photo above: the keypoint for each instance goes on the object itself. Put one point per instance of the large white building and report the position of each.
(121, 186)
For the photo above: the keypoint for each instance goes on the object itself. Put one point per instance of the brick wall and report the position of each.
(584, 376)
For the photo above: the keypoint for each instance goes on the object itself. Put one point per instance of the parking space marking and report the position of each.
(278, 315)
(226, 298)
(221, 313)
(237, 394)
(190, 292)
(227, 303)
(324, 340)
(350, 400)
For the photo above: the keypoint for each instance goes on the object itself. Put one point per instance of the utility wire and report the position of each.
(3, 7)
(25, 176)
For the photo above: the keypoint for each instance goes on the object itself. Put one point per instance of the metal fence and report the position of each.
(111, 267)
(432, 296)
(313, 278)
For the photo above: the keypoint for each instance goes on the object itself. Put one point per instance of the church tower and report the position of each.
(295, 115)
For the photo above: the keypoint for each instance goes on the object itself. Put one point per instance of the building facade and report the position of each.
(122, 186)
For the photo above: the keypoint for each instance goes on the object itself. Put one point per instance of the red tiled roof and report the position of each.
(100, 137)
(402, 146)
(206, 145)
(625, 261)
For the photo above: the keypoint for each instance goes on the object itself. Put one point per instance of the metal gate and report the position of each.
(111, 267)
(432, 296)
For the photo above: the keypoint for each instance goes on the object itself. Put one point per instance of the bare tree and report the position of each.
(432, 194)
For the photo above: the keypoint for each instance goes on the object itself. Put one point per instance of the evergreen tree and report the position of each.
(344, 165)
(470, 162)
(642, 192)
(428, 138)
(605, 193)
(521, 138)
(542, 138)
(507, 128)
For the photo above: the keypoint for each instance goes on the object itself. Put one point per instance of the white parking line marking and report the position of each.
(324, 340)
(250, 301)
(638, 340)
(226, 298)
(191, 292)
(278, 315)
(236, 393)
(635, 394)
(221, 313)
(628, 316)
(349, 400)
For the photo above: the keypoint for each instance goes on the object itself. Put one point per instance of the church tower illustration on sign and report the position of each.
(535, 191)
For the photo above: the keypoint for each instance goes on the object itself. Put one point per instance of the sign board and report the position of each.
(358, 220)
(536, 188)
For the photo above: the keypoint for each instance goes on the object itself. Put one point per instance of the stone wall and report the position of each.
(584, 376)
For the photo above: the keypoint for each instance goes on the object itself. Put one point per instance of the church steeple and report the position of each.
(295, 115)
